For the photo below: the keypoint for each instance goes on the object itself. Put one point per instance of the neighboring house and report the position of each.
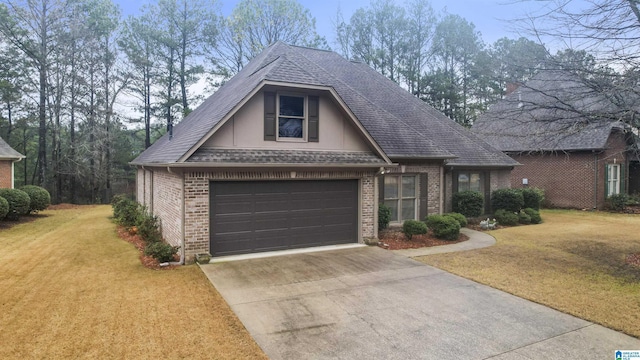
(291, 153)
(566, 137)
(8, 156)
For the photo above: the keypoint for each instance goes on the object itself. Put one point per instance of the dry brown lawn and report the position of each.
(70, 288)
(573, 262)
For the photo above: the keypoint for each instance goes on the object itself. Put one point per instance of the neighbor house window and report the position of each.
(469, 181)
(400, 196)
(291, 117)
(613, 179)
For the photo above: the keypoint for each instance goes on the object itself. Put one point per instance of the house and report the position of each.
(8, 156)
(566, 136)
(298, 149)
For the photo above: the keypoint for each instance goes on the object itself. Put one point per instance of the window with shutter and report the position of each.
(613, 179)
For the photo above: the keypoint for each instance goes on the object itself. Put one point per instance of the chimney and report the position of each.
(511, 87)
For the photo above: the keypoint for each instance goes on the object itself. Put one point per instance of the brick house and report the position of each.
(567, 139)
(8, 156)
(298, 149)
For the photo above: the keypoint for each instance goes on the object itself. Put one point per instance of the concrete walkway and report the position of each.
(477, 240)
(370, 303)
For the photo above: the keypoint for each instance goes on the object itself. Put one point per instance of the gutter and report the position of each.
(262, 165)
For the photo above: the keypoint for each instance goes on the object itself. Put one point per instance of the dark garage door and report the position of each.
(257, 216)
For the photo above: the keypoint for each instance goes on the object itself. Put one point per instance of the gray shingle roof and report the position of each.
(302, 157)
(402, 125)
(8, 153)
(554, 111)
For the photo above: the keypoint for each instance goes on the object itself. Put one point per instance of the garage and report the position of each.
(258, 216)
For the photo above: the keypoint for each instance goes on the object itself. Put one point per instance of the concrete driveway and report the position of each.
(368, 303)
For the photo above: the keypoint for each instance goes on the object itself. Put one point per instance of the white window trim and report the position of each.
(400, 198)
(305, 121)
(613, 184)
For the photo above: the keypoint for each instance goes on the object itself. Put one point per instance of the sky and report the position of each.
(493, 18)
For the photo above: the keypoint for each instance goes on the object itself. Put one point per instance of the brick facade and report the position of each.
(6, 180)
(196, 200)
(167, 205)
(572, 179)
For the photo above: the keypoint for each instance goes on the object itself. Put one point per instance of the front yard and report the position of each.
(573, 262)
(72, 289)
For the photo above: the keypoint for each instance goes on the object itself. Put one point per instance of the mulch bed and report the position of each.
(632, 210)
(633, 259)
(394, 239)
(147, 261)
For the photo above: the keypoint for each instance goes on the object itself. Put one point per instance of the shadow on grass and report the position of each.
(607, 258)
(8, 224)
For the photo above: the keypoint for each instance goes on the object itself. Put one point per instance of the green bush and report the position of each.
(507, 199)
(461, 219)
(468, 203)
(4, 207)
(384, 216)
(506, 218)
(149, 228)
(534, 215)
(127, 212)
(617, 202)
(413, 227)
(532, 197)
(18, 202)
(444, 227)
(163, 252)
(39, 197)
(524, 218)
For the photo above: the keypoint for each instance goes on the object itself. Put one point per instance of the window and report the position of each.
(291, 117)
(613, 179)
(400, 196)
(469, 181)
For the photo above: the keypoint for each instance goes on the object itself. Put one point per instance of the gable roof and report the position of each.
(8, 153)
(554, 111)
(402, 125)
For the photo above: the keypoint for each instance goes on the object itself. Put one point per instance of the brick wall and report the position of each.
(140, 186)
(167, 204)
(196, 188)
(5, 174)
(570, 180)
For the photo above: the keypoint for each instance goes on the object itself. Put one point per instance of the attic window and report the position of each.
(291, 117)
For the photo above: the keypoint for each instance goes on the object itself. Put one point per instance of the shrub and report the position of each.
(413, 227)
(384, 216)
(39, 197)
(534, 215)
(18, 202)
(617, 202)
(507, 199)
(468, 203)
(149, 227)
(533, 198)
(163, 252)
(506, 218)
(127, 212)
(524, 218)
(444, 227)
(461, 219)
(4, 207)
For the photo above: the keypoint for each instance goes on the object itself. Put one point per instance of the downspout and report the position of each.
(442, 185)
(595, 182)
(182, 250)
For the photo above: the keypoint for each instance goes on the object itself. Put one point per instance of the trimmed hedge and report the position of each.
(4, 207)
(384, 216)
(534, 215)
(18, 202)
(524, 218)
(533, 198)
(40, 198)
(127, 212)
(506, 218)
(163, 252)
(616, 202)
(149, 227)
(468, 203)
(413, 227)
(444, 227)
(461, 219)
(507, 199)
